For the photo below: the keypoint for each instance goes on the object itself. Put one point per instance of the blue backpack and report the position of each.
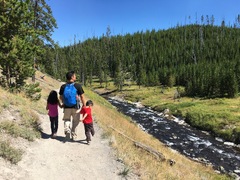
(69, 95)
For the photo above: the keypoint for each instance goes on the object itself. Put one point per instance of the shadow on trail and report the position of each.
(48, 136)
(83, 141)
(62, 138)
(44, 135)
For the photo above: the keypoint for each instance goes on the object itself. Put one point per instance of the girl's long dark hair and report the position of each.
(53, 97)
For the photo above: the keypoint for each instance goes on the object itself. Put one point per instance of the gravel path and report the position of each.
(54, 159)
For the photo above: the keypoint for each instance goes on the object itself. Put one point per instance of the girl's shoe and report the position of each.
(53, 136)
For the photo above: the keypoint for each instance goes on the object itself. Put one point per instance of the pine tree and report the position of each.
(15, 47)
(43, 24)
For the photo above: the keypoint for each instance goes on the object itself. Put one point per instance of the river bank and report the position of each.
(219, 116)
(176, 133)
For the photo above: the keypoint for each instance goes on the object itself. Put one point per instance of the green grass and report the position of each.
(99, 99)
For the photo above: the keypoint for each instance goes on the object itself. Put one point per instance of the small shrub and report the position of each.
(105, 135)
(225, 134)
(5, 105)
(159, 108)
(19, 131)
(125, 172)
(9, 153)
(186, 105)
(236, 135)
(32, 91)
(201, 121)
(31, 120)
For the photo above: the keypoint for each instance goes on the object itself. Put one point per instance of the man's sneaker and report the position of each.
(67, 137)
(74, 136)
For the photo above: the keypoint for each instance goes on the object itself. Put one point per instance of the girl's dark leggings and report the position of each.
(54, 124)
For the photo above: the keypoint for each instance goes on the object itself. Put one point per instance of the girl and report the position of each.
(52, 107)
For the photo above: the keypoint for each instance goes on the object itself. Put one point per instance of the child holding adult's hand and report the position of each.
(86, 118)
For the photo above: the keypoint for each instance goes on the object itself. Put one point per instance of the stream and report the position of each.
(193, 143)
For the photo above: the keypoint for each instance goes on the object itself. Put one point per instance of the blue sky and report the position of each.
(84, 19)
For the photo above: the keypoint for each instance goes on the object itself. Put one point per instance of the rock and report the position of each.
(237, 171)
(235, 176)
(229, 143)
(166, 111)
(171, 162)
(221, 169)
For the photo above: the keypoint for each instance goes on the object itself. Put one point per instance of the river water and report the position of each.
(178, 135)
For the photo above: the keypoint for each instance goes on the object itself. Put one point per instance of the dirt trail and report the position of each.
(52, 159)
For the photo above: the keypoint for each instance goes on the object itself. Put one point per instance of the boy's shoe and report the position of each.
(88, 141)
(74, 136)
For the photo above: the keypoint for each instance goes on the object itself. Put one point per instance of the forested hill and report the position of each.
(205, 59)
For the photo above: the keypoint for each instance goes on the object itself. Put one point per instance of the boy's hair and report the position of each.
(53, 97)
(69, 75)
(89, 102)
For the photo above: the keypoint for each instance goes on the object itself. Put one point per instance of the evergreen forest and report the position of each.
(202, 57)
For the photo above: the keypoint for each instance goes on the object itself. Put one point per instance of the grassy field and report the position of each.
(220, 116)
(121, 132)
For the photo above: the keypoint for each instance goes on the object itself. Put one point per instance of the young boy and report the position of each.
(86, 118)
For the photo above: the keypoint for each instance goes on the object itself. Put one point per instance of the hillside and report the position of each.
(47, 158)
(43, 157)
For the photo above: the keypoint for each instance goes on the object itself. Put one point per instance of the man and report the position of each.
(69, 95)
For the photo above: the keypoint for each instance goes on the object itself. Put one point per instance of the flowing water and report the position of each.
(178, 135)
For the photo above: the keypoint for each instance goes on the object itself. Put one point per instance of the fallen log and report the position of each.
(157, 154)
(151, 150)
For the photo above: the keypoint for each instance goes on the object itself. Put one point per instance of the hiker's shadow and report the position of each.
(44, 135)
(62, 138)
(48, 136)
(83, 141)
